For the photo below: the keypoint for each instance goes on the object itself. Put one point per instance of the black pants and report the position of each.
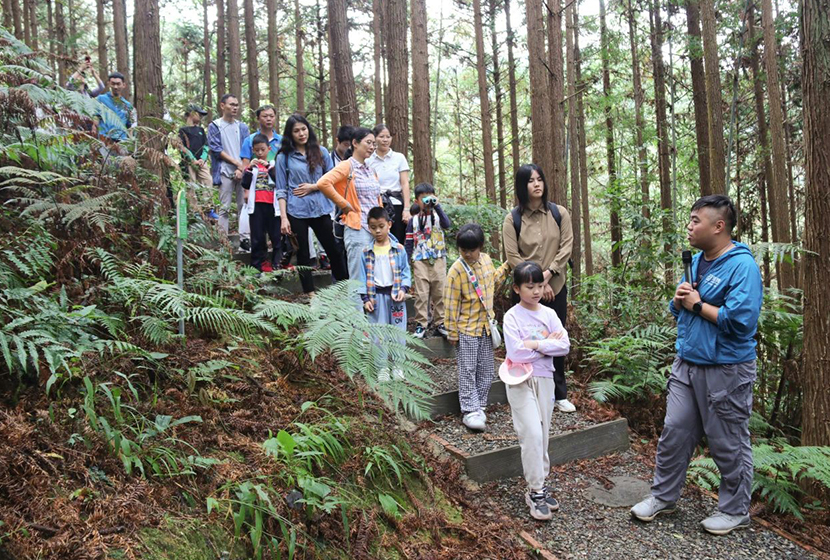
(398, 225)
(263, 222)
(322, 228)
(341, 248)
(560, 306)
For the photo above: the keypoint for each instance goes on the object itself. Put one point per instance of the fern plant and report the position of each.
(780, 469)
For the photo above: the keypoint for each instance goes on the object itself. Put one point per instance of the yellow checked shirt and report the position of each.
(463, 310)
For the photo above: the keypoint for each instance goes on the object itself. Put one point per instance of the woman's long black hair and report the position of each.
(313, 154)
(522, 179)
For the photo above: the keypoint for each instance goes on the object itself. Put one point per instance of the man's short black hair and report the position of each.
(345, 133)
(228, 96)
(259, 139)
(424, 188)
(721, 203)
(377, 213)
(117, 75)
(470, 237)
(265, 108)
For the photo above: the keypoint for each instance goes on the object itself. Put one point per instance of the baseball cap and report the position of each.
(513, 374)
(193, 107)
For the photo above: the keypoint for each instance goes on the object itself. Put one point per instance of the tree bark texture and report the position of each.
(583, 154)
(540, 91)
(221, 51)
(610, 150)
(699, 94)
(511, 77)
(377, 47)
(421, 145)
(714, 99)
(341, 54)
(300, 58)
(253, 66)
(484, 104)
(60, 35)
(208, 88)
(234, 52)
(119, 26)
(556, 67)
(101, 22)
(639, 121)
(573, 150)
(149, 100)
(397, 113)
(273, 57)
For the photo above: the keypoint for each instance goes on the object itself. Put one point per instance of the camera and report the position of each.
(429, 200)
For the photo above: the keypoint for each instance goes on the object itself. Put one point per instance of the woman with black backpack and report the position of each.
(540, 231)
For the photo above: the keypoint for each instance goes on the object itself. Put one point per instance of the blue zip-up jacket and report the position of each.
(733, 283)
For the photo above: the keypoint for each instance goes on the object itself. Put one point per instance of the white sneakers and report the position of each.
(475, 420)
(564, 405)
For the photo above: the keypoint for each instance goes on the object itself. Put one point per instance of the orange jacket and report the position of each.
(338, 185)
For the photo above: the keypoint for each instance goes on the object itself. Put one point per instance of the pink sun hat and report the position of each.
(513, 374)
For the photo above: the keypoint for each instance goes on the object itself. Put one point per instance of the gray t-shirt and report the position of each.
(231, 143)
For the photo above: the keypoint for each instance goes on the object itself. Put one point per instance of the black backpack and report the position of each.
(516, 214)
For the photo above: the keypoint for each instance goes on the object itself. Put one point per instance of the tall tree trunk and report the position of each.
(763, 142)
(17, 20)
(421, 147)
(221, 51)
(815, 84)
(208, 90)
(377, 25)
(662, 125)
(342, 54)
(149, 88)
(583, 153)
(699, 95)
(253, 67)
(73, 29)
(779, 213)
(397, 113)
(787, 144)
(540, 91)
(714, 99)
(499, 104)
(300, 57)
(33, 22)
(321, 76)
(573, 150)
(610, 150)
(273, 57)
(234, 52)
(101, 21)
(511, 77)
(556, 67)
(119, 27)
(8, 15)
(434, 114)
(50, 34)
(639, 121)
(27, 32)
(484, 104)
(333, 110)
(60, 36)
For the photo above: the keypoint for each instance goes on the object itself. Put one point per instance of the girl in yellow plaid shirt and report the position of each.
(467, 322)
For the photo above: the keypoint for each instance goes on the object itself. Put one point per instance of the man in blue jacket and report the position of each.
(710, 386)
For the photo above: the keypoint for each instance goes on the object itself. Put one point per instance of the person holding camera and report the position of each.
(77, 81)
(425, 246)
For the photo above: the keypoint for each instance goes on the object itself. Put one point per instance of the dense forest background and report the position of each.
(633, 108)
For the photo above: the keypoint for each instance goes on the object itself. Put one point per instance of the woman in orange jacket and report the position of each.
(353, 187)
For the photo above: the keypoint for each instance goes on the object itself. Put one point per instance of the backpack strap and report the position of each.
(557, 215)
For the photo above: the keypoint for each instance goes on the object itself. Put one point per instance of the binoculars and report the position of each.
(430, 200)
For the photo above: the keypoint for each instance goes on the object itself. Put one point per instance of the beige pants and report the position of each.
(204, 191)
(531, 404)
(428, 280)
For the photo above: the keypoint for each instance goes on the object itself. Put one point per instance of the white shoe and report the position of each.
(474, 421)
(483, 416)
(564, 406)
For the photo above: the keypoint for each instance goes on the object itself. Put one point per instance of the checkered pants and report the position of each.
(476, 370)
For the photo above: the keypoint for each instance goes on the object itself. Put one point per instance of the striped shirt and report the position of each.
(463, 310)
(368, 189)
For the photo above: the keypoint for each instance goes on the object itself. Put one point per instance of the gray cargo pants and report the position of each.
(714, 401)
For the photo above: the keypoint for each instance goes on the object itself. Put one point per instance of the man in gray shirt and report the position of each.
(225, 137)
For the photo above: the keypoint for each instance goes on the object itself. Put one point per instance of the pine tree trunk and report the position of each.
(300, 58)
(253, 67)
(540, 91)
(322, 129)
(8, 15)
(377, 25)
(714, 99)
(639, 121)
(334, 114)
(434, 114)
(815, 84)
(208, 90)
(610, 150)
(273, 57)
(18, 21)
(221, 51)
(119, 25)
(149, 88)
(511, 77)
(699, 95)
(556, 72)
(397, 114)
(33, 22)
(101, 22)
(234, 53)
(502, 187)
(573, 151)
(779, 213)
(341, 54)
(583, 153)
(27, 32)
(60, 36)
(50, 34)
(73, 29)
(662, 124)
(763, 141)
(421, 147)
(484, 104)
